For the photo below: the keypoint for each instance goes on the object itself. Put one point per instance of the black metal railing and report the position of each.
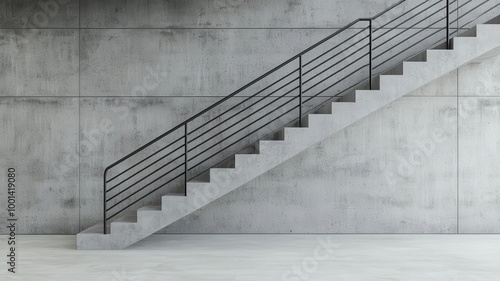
(351, 57)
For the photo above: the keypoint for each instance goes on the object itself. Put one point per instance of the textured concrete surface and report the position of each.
(480, 79)
(479, 165)
(43, 61)
(265, 257)
(226, 13)
(36, 62)
(39, 14)
(183, 62)
(40, 139)
(445, 86)
(479, 89)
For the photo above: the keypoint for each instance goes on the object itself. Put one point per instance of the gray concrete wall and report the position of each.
(84, 82)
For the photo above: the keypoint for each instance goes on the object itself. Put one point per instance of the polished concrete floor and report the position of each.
(262, 257)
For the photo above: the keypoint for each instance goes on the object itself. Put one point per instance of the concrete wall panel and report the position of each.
(38, 62)
(226, 13)
(480, 79)
(39, 14)
(446, 86)
(186, 62)
(479, 165)
(40, 140)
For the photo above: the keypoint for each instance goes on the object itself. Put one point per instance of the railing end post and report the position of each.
(448, 45)
(371, 54)
(185, 158)
(300, 91)
(104, 202)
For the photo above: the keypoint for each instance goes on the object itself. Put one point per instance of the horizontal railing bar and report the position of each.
(459, 7)
(327, 38)
(145, 177)
(214, 145)
(330, 98)
(338, 45)
(336, 55)
(479, 16)
(241, 120)
(391, 29)
(396, 27)
(294, 108)
(456, 9)
(440, 41)
(400, 16)
(158, 160)
(143, 147)
(409, 28)
(246, 108)
(316, 95)
(411, 36)
(432, 34)
(139, 190)
(456, 20)
(469, 11)
(331, 75)
(333, 65)
(432, 45)
(151, 192)
(240, 90)
(439, 30)
(250, 97)
(142, 161)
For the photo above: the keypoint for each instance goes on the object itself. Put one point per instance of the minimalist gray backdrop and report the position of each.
(82, 83)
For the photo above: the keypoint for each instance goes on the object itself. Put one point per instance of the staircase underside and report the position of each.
(141, 223)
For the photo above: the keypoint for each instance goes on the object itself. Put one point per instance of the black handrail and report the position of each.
(326, 69)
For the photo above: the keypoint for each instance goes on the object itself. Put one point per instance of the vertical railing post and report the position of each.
(300, 91)
(448, 24)
(185, 158)
(104, 207)
(370, 53)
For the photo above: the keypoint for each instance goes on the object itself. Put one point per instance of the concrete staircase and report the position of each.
(480, 42)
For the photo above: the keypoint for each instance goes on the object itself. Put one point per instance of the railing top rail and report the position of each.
(114, 164)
